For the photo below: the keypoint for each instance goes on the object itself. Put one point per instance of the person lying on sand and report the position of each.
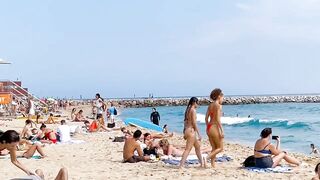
(317, 171)
(170, 150)
(153, 136)
(269, 156)
(126, 132)
(39, 175)
(94, 126)
(126, 135)
(36, 137)
(130, 146)
(48, 134)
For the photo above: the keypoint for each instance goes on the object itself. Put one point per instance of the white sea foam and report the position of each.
(226, 120)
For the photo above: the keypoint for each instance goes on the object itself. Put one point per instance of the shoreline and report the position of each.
(228, 100)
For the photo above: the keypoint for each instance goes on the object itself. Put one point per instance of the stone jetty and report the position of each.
(228, 100)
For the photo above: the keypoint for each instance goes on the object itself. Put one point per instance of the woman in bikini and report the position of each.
(48, 134)
(267, 155)
(191, 131)
(214, 127)
(9, 140)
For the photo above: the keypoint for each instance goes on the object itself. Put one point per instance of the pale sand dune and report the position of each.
(99, 158)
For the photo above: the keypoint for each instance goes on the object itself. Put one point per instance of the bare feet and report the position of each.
(204, 160)
(213, 163)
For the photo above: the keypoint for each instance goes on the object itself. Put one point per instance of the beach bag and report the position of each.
(115, 112)
(249, 162)
(147, 151)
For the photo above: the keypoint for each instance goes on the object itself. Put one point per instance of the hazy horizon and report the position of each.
(167, 48)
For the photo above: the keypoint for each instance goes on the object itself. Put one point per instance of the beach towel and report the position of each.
(8, 157)
(192, 160)
(278, 169)
(72, 141)
(32, 177)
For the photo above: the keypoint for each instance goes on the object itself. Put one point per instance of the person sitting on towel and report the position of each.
(130, 146)
(268, 155)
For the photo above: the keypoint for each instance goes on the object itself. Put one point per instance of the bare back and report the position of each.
(190, 119)
(130, 146)
(214, 112)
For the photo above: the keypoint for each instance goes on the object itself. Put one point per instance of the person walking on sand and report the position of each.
(31, 108)
(100, 106)
(214, 128)
(155, 116)
(191, 131)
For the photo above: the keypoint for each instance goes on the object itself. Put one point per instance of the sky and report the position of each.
(167, 48)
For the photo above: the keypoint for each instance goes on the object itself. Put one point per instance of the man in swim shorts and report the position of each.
(131, 145)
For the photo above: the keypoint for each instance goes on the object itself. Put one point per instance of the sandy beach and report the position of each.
(100, 158)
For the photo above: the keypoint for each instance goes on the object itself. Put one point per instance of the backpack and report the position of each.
(249, 162)
(115, 112)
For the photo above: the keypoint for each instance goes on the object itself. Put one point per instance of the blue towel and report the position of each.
(196, 161)
(278, 169)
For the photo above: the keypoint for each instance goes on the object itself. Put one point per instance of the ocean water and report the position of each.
(298, 125)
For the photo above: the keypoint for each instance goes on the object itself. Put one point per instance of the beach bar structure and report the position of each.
(10, 89)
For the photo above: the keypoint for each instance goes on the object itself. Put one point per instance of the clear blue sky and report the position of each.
(168, 48)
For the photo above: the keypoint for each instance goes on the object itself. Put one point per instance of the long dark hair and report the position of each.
(191, 102)
(9, 136)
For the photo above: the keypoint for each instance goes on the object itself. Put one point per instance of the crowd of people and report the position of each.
(33, 136)
(139, 146)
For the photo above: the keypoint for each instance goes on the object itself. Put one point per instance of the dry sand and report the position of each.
(100, 158)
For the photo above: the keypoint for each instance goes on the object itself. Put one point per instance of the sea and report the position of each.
(297, 124)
